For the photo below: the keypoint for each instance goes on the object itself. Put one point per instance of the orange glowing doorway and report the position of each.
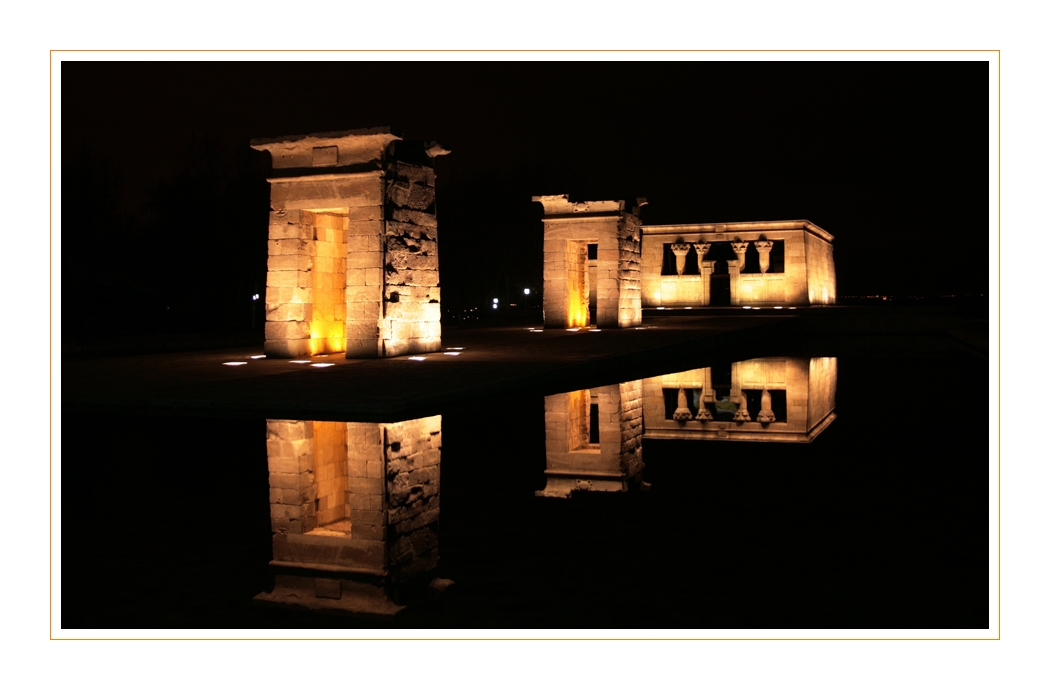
(328, 318)
(577, 308)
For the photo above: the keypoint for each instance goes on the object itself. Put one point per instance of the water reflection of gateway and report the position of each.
(354, 511)
(594, 437)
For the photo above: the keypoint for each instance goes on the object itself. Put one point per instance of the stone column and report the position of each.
(704, 414)
(681, 250)
(706, 269)
(740, 248)
(765, 416)
(734, 280)
(763, 247)
(682, 414)
(737, 396)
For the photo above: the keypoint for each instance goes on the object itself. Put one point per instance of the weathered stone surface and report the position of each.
(330, 239)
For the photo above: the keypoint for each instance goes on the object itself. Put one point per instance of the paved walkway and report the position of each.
(489, 364)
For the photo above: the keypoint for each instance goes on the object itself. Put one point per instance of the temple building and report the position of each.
(764, 264)
(601, 266)
(353, 263)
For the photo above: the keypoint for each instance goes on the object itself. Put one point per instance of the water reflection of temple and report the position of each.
(781, 399)
(354, 511)
(594, 437)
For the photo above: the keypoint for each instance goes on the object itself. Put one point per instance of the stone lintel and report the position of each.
(583, 474)
(734, 228)
(559, 205)
(327, 149)
(325, 177)
(570, 217)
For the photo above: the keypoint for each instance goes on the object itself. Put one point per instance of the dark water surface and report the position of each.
(880, 522)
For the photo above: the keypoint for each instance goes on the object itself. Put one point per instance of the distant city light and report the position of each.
(255, 296)
(495, 306)
(495, 300)
(527, 292)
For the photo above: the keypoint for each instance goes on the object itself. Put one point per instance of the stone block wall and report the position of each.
(330, 476)
(793, 287)
(820, 267)
(412, 452)
(823, 382)
(631, 425)
(290, 458)
(629, 277)
(353, 246)
(412, 295)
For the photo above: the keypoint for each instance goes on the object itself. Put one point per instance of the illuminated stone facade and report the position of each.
(591, 261)
(353, 262)
(780, 399)
(779, 263)
(601, 266)
(594, 439)
(354, 511)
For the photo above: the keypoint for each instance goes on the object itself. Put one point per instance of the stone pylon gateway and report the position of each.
(591, 260)
(353, 262)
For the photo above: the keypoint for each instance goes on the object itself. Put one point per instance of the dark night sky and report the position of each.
(890, 157)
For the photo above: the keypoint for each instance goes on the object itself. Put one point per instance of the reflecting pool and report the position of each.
(846, 491)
